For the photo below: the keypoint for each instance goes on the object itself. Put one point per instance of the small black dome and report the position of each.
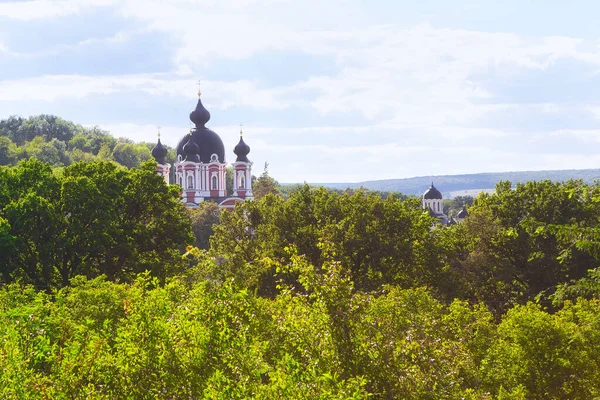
(241, 150)
(463, 213)
(190, 149)
(159, 152)
(432, 193)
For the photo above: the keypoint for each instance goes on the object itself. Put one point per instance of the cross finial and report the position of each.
(241, 131)
(158, 131)
(199, 83)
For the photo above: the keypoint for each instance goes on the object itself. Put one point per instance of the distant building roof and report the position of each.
(432, 193)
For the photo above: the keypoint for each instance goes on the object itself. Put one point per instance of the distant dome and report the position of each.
(241, 150)
(432, 193)
(463, 213)
(206, 141)
(159, 152)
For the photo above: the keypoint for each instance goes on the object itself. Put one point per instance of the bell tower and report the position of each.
(242, 170)
(159, 152)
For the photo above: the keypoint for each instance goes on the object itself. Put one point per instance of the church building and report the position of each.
(200, 165)
(433, 203)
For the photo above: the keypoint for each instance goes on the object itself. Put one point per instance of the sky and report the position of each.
(326, 90)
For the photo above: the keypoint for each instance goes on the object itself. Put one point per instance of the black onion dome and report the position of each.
(206, 141)
(190, 149)
(463, 213)
(432, 193)
(200, 116)
(241, 150)
(159, 152)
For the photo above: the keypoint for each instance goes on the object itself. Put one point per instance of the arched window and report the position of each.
(190, 180)
(214, 182)
(242, 182)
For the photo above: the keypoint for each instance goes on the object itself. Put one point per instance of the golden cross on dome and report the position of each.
(241, 132)
(199, 84)
(158, 129)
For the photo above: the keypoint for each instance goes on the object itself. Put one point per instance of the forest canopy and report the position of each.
(303, 293)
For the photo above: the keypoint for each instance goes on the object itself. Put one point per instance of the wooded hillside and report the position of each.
(60, 143)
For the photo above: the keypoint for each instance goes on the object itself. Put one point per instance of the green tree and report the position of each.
(229, 180)
(203, 218)
(126, 154)
(452, 206)
(8, 151)
(378, 240)
(538, 354)
(95, 218)
(264, 185)
(508, 251)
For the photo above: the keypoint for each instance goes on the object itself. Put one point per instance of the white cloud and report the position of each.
(419, 74)
(582, 135)
(47, 9)
(222, 94)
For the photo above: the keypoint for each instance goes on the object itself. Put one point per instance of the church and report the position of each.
(433, 203)
(200, 165)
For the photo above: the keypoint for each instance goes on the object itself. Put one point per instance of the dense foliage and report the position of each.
(90, 219)
(103, 340)
(314, 294)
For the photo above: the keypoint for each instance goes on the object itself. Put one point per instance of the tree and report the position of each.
(264, 185)
(126, 154)
(203, 218)
(8, 151)
(454, 205)
(508, 249)
(229, 180)
(378, 240)
(95, 218)
(537, 354)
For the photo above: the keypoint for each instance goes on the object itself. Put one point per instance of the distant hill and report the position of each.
(59, 143)
(468, 184)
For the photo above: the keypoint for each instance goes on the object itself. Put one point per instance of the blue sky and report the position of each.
(328, 91)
